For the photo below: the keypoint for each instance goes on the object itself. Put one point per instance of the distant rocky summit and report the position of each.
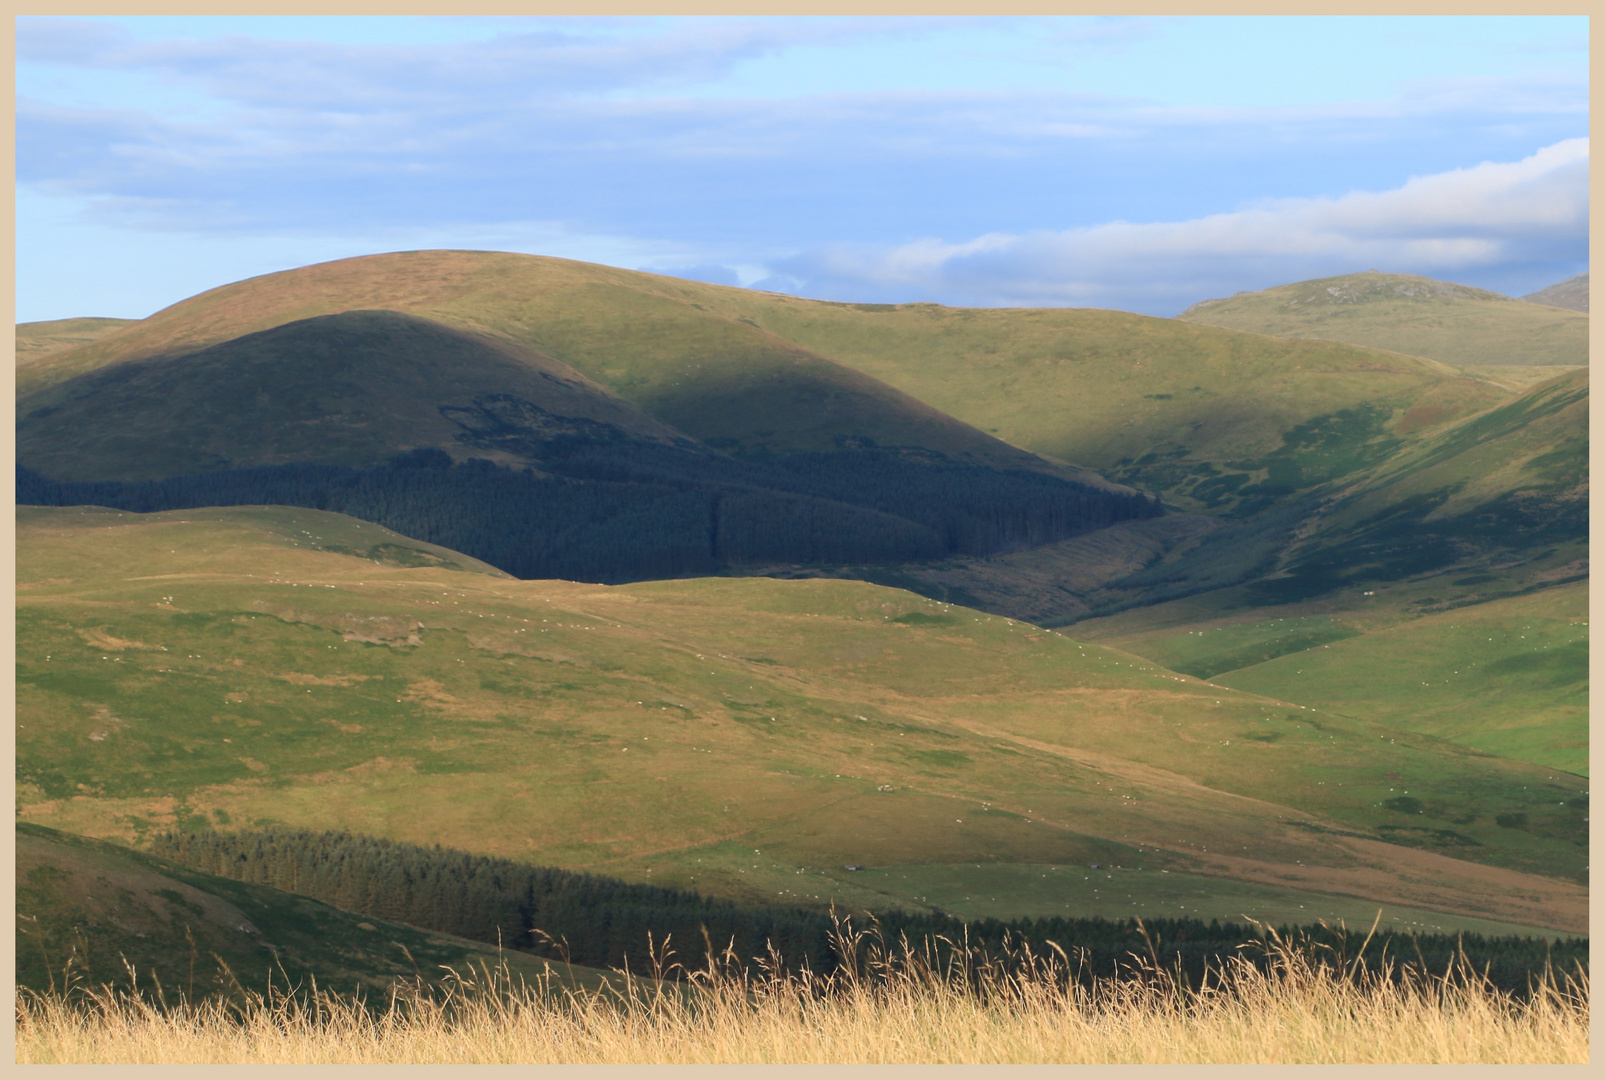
(1571, 293)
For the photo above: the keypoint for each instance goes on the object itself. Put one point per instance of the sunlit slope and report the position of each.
(36, 339)
(1407, 313)
(1508, 677)
(85, 907)
(1503, 494)
(1166, 404)
(641, 337)
(1153, 401)
(177, 665)
(1489, 506)
(1443, 591)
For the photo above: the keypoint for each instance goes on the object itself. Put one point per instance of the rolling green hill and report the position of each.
(1154, 402)
(367, 411)
(348, 389)
(1407, 313)
(1444, 590)
(1509, 677)
(1162, 404)
(719, 381)
(36, 339)
(1488, 506)
(253, 666)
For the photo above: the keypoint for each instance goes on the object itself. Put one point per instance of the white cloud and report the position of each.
(1464, 220)
(605, 134)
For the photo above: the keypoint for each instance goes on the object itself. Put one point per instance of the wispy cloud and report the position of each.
(608, 130)
(513, 65)
(1528, 211)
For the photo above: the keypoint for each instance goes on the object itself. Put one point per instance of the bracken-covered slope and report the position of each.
(746, 737)
(1407, 313)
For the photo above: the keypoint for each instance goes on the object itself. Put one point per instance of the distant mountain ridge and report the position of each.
(1408, 313)
(1571, 293)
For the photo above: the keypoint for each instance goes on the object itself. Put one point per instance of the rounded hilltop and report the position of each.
(1408, 313)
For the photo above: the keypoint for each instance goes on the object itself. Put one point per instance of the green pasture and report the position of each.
(1207, 652)
(231, 669)
(1507, 678)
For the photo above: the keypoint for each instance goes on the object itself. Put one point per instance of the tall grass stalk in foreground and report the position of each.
(898, 1005)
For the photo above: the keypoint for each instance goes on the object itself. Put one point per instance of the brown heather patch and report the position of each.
(1420, 416)
(100, 639)
(295, 678)
(428, 691)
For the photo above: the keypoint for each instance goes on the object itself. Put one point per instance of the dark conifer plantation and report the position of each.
(613, 510)
(603, 922)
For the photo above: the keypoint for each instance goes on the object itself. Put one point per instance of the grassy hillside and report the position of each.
(1503, 495)
(1407, 313)
(1154, 402)
(1167, 405)
(742, 736)
(36, 339)
(349, 389)
(1571, 293)
(1453, 576)
(1489, 506)
(1509, 677)
(720, 381)
(86, 907)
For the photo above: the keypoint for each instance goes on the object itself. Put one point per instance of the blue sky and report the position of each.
(1141, 163)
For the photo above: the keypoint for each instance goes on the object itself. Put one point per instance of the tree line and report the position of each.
(616, 511)
(604, 922)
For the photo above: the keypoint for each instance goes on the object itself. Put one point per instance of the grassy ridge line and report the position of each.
(36, 339)
(1571, 293)
(730, 366)
(1408, 313)
(1102, 388)
(349, 389)
(722, 381)
(724, 734)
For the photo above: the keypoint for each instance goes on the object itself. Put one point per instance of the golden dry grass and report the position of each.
(1300, 1008)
